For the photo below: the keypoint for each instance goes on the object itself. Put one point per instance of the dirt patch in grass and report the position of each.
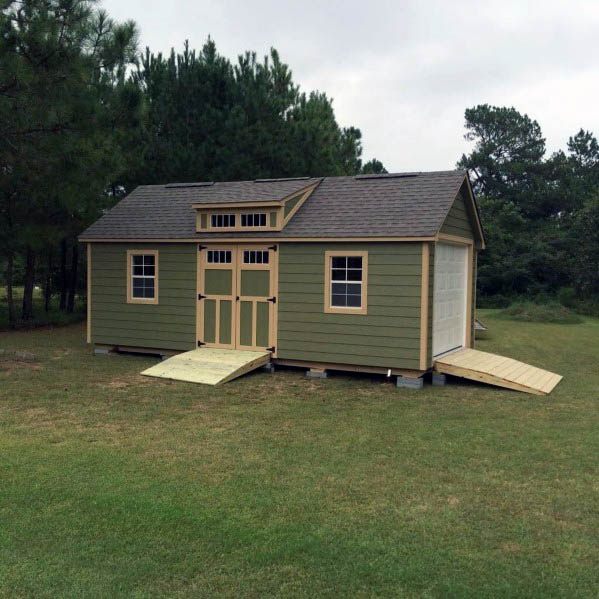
(136, 380)
(510, 547)
(10, 366)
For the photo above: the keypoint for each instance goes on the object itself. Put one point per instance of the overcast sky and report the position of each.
(404, 71)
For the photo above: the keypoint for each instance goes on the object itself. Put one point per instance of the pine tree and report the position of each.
(62, 93)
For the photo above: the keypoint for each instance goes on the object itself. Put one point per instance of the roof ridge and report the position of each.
(184, 184)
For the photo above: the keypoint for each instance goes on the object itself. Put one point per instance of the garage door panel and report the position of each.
(449, 298)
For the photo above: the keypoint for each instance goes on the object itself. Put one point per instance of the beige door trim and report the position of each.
(201, 289)
(237, 266)
(272, 268)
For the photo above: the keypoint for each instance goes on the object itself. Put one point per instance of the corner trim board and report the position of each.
(89, 293)
(424, 291)
(469, 291)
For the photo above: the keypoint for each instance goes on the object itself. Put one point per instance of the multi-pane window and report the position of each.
(257, 219)
(219, 257)
(221, 221)
(143, 283)
(346, 282)
(255, 257)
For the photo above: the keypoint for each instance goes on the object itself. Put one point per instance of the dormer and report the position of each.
(251, 215)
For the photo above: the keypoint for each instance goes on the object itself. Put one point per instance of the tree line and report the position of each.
(540, 213)
(85, 118)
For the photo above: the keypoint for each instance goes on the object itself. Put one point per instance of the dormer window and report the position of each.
(254, 219)
(222, 221)
(246, 215)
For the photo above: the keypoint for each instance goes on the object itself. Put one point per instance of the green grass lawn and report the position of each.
(275, 485)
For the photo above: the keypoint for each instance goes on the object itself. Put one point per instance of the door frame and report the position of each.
(272, 269)
(201, 270)
(468, 245)
(236, 262)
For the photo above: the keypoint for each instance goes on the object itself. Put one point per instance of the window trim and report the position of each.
(238, 213)
(225, 214)
(213, 264)
(328, 263)
(257, 264)
(141, 300)
(253, 214)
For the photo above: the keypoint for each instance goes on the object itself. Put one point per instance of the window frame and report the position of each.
(142, 300)
(262, 251)
(231, 216)
(253, 214)
(328, 267)
(240, 213)
(228, 254)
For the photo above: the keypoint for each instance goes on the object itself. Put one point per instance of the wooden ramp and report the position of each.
(208, 365)
(497, 370)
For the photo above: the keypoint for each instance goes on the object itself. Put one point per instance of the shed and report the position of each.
(371, 273)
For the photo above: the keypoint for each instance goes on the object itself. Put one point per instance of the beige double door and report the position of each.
(237, 296)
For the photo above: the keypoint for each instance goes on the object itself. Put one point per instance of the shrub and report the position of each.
(493, 301)
(588, 307)
(531, 312)
(567, 297)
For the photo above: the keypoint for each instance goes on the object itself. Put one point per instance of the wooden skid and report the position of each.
(209, 366)
(497, 370)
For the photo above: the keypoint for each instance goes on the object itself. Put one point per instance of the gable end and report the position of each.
(462, 219)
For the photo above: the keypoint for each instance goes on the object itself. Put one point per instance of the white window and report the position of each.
(255, 257)
(346, 282)
(222, 221)
(142, 280)
(257, 219)
(219, 257)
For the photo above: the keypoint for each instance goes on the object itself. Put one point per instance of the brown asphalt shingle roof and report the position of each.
(399, 205)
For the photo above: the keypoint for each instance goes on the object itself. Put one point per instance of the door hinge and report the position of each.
(237, 298)
(274, 248)
(200, 343)
(272, 299)
(271, 349)
(201, 297)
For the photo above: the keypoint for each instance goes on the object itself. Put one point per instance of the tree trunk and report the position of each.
(73, 278)
(27, 310)
(48, 282)
(9, 295)
(64, 282)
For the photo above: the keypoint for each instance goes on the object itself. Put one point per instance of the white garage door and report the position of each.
(449, 305)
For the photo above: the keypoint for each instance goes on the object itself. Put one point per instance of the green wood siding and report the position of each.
(474, 277)
(170, 324)
(388, 336)
(459, 220)
(291, 204)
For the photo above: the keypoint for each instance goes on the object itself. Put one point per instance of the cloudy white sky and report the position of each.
(403, 71)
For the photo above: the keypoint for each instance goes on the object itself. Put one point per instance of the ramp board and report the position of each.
(497, 370)
(478, 325)
(209, 366)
